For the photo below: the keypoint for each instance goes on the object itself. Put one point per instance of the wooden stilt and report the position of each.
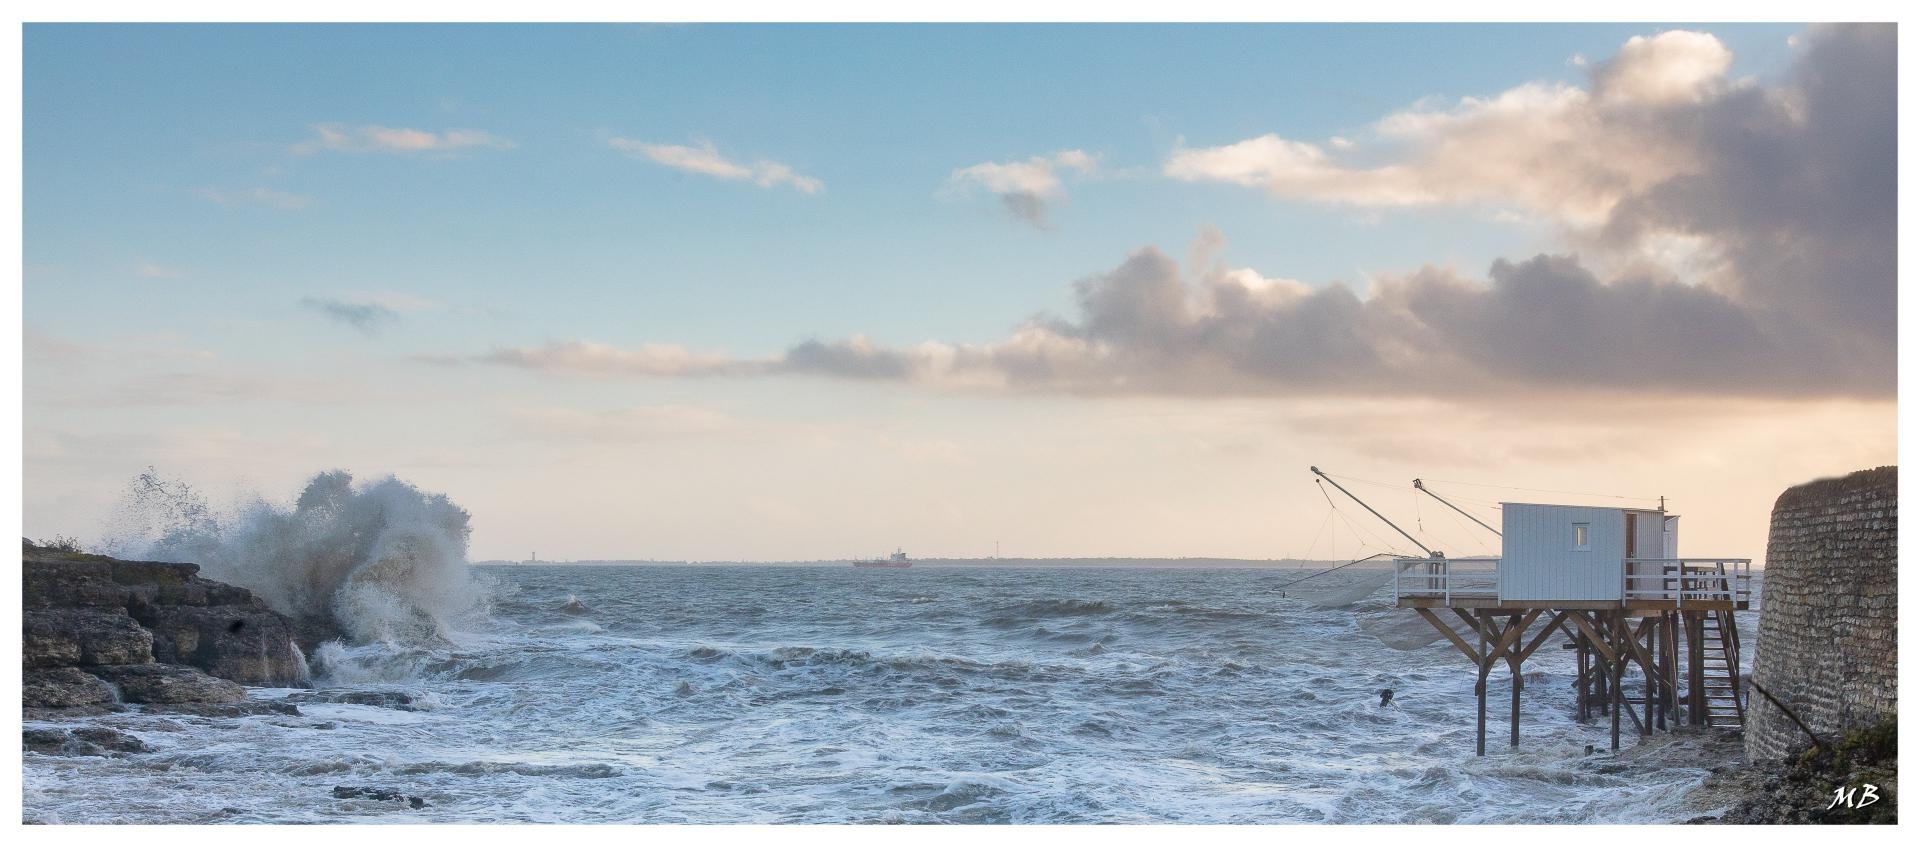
(1480, 687)
(1513, 667)
(1616, 666)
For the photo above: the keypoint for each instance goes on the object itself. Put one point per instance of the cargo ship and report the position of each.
(897, 560)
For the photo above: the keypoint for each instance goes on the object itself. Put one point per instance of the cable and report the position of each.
(1544, 490)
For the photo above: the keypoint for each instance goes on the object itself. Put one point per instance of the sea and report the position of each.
(974, 693)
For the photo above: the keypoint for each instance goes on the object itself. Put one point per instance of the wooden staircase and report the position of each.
(1720, 641)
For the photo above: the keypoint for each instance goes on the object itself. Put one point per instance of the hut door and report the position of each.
(1630, 535)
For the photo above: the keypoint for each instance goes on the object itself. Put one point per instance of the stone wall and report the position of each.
(1827, 646)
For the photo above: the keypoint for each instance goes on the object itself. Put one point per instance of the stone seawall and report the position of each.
(1827, 645)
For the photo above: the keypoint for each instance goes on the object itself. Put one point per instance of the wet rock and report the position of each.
(398, 700)
(84, 741)
(242, 709)
(111, 740)
(155, 683)
(62, 688)
(347, 792)
(48, 742)
(249, 644)
(85, 636)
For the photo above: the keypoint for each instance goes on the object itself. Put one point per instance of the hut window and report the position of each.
(1580, 541)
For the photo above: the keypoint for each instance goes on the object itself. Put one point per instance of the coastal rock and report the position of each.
(63, 688)
(87, 610)
(154, 683)
(83, 636)
(68, 580)
(249, 644)
(84, 741)
(241, 709)
(354, 792)
(396, 700)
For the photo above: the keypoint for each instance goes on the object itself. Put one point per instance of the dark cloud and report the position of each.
(368, 318)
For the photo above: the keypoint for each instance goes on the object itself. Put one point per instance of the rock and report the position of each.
(85, 741)
(398, 700)
(48, 582)
(82, 636)
(111, 739)
(249, 644)
(154, 683)
(48, 742)
(347, 792)
(83, 610)
(61, 688)
(242, 709)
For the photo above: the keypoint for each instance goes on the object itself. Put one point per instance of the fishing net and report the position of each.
(1400, 629)
(1339, 590)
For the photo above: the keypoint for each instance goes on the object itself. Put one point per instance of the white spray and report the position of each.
(381, 562)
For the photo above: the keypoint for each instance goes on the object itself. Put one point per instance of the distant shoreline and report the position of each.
(1195, 563)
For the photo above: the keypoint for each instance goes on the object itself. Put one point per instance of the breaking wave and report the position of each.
(381, 562)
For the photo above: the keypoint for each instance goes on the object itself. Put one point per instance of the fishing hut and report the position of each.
(1652, 631)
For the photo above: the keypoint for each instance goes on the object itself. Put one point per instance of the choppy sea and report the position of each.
(972, 694)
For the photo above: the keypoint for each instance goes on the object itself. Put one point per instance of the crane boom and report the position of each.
(1422, 487)
(1383, 518)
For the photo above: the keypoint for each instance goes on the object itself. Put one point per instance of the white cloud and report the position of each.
(1566, 152)
(589, 357)
(1676, 66)
(1028, 188)
(154, 270)
(706, 160)
(372, 138)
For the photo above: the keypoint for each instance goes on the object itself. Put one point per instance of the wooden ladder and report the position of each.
(1720, 639)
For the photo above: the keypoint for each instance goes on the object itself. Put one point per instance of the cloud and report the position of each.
(587, 357)
(153, 270)
(1782, 196)
(369, 313)
(1673, 67)
(257, 196)
(706, 160)
(1571, 153)
(1027, 189)
(372, 138)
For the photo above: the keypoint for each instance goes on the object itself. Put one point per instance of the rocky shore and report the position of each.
(100, 634)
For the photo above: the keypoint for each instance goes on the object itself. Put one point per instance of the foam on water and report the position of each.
(792, 694)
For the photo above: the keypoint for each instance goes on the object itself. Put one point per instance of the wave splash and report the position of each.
(382, 562)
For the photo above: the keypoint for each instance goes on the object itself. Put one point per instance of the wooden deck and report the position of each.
(1477, 602)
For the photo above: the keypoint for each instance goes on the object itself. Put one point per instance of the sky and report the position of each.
(797, 292)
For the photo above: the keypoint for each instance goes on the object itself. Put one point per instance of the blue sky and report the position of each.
(125, 124)
(178, 199)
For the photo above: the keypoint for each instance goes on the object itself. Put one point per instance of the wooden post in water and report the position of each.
(1514, 658)
(1616, 628)
(1480, 685)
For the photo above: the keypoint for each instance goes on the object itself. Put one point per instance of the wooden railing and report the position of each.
(1680, 580)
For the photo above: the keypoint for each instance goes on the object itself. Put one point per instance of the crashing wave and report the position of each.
(380, 562)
